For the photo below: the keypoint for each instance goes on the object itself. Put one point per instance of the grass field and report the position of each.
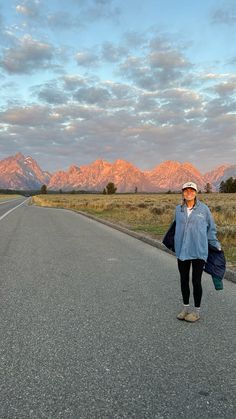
(8, 196)
(151, 214)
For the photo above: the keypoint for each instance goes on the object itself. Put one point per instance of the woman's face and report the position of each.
(189, 194)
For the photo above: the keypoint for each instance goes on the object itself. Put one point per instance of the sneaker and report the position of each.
(192, 317)
(182, 315)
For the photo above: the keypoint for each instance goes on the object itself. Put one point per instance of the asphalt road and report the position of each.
(7, 204)
(89, 331)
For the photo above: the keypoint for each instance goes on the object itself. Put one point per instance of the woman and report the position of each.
(195, 229)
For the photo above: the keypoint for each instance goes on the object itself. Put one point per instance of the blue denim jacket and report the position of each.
(193, 233)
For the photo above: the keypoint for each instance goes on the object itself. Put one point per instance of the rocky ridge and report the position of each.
(24, 173)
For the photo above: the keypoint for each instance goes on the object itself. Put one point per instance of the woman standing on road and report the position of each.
(195, 229)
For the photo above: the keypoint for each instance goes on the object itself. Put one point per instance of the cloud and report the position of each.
(27, 56)
(72, 82)
(161, 66)
(89, 11)
(135, 69)
(112, 53)
(63, 20)
(222, 127)
(225, 16)
(218, 107)
(159, 42)
(212, 76)
(170, 107)
(96, 10)
(92, 95)
(52, 95)
(72, 88)
(147, 104)
(69, 18)
(73, 111)
(179, 97)
(107, 52)
(120, 90)
(134, 39)
(101, 9)
(27, 116)
(29, 8)
(167, 60)
(168, 66)
(227, 88)
(86, 59)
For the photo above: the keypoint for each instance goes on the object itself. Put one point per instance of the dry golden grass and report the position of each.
(8, 196)
(150, 213)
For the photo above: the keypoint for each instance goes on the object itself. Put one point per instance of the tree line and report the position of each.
(228, 186)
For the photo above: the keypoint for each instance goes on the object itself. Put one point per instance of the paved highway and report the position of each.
(7, 204)
(88, 327)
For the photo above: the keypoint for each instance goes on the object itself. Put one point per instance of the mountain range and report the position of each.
(23, 173)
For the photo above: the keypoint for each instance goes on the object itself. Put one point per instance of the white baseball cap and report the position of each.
(189, 185)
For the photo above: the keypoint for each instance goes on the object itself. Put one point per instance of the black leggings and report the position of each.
(197, 269)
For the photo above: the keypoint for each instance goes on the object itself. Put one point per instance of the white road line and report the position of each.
(8, 212)
(9, 200)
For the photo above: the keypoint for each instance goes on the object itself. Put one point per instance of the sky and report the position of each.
(144, 81)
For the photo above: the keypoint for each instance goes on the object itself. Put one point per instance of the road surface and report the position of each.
(89, 329)
(8, 204)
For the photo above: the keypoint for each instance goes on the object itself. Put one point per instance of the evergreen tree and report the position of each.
(234, 186)
(222, 187)
(228, 186)
(111, 189)
(43, 189)
(208, 188)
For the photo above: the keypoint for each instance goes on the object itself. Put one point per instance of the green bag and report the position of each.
(218, 282)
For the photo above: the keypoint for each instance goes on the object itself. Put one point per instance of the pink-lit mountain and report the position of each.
(23, 173)
(96, 176)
